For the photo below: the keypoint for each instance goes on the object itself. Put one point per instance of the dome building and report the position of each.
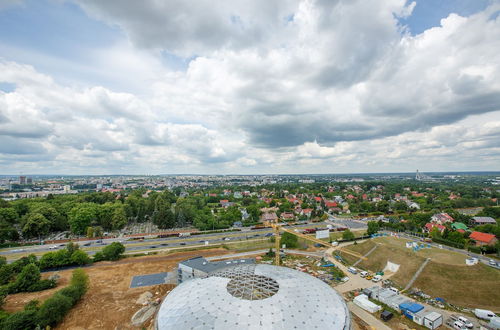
(253, 296)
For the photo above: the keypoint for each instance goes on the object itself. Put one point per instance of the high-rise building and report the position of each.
(29, 180)
(22, 179)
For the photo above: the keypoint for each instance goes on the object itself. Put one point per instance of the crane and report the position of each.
(278, 227)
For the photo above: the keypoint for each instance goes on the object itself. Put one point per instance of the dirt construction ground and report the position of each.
(109, 302)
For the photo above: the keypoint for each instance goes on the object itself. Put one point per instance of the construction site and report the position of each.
(326, 285)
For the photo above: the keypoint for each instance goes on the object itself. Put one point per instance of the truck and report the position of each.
(184, 234)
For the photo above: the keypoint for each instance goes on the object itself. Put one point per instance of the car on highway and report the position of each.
(153, 247)
(183, 243)
(87, 244)
(53, 247)
(227, 239)
(268, 234)
(492, 262)
(164, 244)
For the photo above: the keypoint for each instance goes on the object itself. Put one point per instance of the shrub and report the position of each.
(113, 251)
(42, 285)
(80, 258)
(53, 310)
(7, 274)
(48, 260)
(98, 256)
(20, 320)
(29, 276)
(32, 305)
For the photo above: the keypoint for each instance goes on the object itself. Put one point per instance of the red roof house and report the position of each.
(430, 226)
(483, 238)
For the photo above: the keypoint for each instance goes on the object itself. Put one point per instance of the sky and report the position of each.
(249, 87)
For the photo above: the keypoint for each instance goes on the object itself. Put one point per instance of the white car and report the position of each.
(363, 274)
(376, 278)
(468, 324)
(492, 262)
(458, 325)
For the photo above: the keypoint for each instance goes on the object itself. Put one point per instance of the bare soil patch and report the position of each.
(109, 302)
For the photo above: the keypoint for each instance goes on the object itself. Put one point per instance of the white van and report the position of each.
(393, 289)
(468, 324)
(363, 274)
(458, 325)
(352, 270)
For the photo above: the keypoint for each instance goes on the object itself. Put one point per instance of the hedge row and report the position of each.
(52, 311)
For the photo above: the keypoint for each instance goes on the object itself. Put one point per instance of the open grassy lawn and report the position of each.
(475, 286)
(437, 255)
(360, 248)
(409, 262)
(249, 246)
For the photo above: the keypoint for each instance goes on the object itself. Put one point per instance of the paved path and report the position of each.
(366, 255)
(367, 317)
(417, 273)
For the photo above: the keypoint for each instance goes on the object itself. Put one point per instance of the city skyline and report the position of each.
(274, 87)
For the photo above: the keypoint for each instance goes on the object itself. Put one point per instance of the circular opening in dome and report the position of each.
(252, 287)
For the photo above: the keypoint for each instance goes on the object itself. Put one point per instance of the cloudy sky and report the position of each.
(262, 86)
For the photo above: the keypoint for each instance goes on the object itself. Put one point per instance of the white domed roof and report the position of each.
(254, 297)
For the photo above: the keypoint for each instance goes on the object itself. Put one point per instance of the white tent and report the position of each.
(363, 302)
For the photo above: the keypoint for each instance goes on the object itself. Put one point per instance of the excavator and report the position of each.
(277, 227)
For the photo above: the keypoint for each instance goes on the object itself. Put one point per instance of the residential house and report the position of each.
(483, 239)
(476, 221)
(307, 212)
(442, 218)
(270, 217)
(225, 203)
(413, 205)
(458, 226)
(430, 226)
(287, 216)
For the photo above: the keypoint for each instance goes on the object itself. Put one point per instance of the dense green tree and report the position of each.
(57, 221)
(373, 227)
(8, 215)
(291, 241)
(7, 232)
(163, 216)
(348, 235)
(82, 216)
(119, 219)
(35, 225)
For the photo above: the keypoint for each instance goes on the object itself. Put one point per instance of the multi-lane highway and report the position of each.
(92, 246)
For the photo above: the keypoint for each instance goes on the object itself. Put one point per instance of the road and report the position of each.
(131, 246)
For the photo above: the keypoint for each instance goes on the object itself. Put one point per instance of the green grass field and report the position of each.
(475, 286)
(445, 276)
